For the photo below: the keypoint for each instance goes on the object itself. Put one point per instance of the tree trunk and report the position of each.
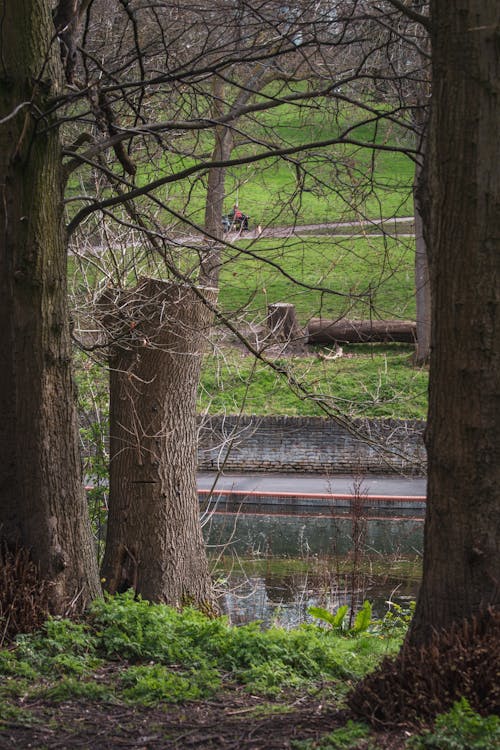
(346, 331)
(216, 192)
(42, 500)
(421, 87)
(154, 540)
(284, 326)
(422, 281)
(462, 542)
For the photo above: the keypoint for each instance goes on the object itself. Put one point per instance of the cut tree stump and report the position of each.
(158, 331)
(284, 326)
(344, 331)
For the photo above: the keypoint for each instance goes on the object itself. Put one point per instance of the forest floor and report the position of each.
(233, 720)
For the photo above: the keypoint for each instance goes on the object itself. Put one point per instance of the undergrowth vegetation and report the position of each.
(130, 650)
(127, 652)
(424, 681)
(460, 728)
(340, 739)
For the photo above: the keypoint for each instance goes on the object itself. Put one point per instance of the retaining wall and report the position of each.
(311, 444)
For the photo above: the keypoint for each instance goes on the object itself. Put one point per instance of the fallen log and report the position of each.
(344, 331)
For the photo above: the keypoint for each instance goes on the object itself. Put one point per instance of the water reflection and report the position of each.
(274, 567)
(286, 603)
(296, 536)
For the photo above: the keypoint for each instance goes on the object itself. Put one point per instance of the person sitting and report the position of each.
(238, 218)
(235, 214)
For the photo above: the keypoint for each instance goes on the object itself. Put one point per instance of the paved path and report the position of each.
(334, 228)
(338, 229)
(300, 484)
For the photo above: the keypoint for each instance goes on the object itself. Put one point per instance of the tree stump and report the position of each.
(283, 324)
(154, 540)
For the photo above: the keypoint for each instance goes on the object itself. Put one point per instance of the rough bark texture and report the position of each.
(462, 540)
(154, 540)
(346, 331)
(284, 326)
(42, 501)
(421, 87)
(422, 281)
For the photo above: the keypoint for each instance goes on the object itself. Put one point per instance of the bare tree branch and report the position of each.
(409, 12)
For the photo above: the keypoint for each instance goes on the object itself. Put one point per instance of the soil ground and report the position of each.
(233, 720)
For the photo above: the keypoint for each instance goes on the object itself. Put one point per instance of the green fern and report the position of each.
(337, 621)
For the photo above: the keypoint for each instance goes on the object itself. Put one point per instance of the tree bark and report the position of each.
(420, 89)
(42, 501)
(462, 541)
(154, 540)
(346, 331)
(284, 326)
(422, 281)
(216, 192)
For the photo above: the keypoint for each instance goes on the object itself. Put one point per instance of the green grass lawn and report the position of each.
(357, 277)
(321, 276)
(336, 187)
(339, 182)
(368, 381)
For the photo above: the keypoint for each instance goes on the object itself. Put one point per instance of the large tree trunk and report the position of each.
(420, 117)
(42, 501)
(344, 331)
(462, 541)
(154, 540)
(422, 281)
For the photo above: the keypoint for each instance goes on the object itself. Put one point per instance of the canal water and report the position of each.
(273, 567)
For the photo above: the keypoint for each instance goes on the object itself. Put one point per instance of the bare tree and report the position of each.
(243, 61)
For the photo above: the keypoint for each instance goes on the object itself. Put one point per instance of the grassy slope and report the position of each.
(326, 276)
(355, 277)
(377, 383)
(332, 178)
(358, 278)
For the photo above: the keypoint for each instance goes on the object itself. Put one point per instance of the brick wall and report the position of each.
(311, 444)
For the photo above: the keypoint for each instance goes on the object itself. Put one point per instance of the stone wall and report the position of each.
(311, 444)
